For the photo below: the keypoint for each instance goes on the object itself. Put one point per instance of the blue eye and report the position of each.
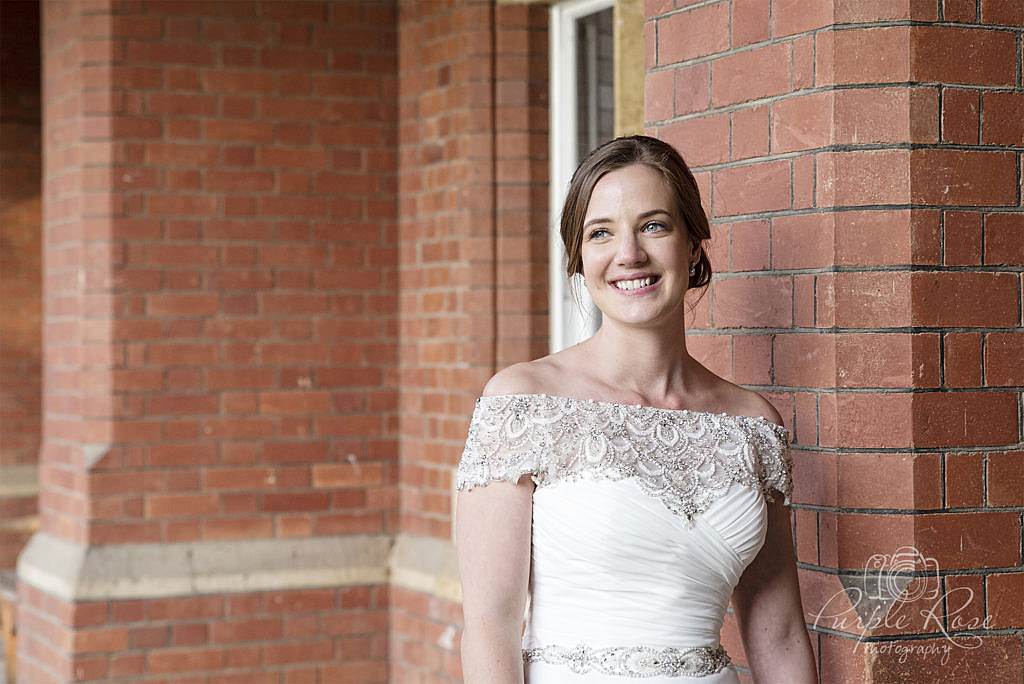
(594, 232)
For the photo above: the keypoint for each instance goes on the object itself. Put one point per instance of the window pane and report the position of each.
(595, 110)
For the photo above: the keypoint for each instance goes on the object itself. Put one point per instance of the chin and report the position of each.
(651, 315)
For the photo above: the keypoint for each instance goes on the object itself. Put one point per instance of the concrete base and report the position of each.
(141, 571)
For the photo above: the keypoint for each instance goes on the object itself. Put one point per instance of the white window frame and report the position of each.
(568, 325)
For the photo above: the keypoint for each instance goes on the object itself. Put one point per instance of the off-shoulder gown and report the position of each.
(643, 521)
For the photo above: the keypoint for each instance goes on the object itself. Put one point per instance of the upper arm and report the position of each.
(769, 582)
(769, 612)
(493, 526)
(767, 596)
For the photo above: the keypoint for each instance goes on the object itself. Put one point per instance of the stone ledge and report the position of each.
(143, 571)
(140, 571)
(426, 565)
(19, 480)
(27, 523)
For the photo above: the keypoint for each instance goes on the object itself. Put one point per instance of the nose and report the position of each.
(629, 252)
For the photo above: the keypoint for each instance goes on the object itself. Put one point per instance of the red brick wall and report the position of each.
(220, 311)
(20, 263)
(280, 637)
(237, 232)
(249, 282)
(868, 240)
(473, 193)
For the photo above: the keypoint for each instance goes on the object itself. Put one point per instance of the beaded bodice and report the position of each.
(686, 459)
(643, 521)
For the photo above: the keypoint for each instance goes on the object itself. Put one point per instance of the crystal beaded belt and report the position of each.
(633, 661)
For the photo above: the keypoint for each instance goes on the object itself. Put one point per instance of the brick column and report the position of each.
(219, 450)
(473, 220)
(864, 182)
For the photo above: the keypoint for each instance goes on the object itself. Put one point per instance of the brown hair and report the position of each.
(616, 154)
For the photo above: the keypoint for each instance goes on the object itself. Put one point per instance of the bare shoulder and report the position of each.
(739, 401)
(757, 406)
(519, 378)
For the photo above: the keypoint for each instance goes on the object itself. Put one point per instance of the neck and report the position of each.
(652, 362)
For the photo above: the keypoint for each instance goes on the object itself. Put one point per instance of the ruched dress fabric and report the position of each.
(643, 521)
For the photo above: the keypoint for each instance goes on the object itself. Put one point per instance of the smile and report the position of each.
(638, 287)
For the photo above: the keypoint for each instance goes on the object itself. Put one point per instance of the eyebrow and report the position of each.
(644, 215)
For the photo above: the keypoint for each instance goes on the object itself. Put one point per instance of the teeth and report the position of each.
(634, 284)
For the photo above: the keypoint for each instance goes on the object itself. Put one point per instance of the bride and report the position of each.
(619, 485)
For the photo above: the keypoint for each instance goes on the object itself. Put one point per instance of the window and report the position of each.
(583, 99)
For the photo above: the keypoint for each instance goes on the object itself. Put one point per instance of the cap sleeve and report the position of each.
(503, 444)
(774, 460)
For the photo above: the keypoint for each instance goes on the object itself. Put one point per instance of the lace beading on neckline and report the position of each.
(687, 459)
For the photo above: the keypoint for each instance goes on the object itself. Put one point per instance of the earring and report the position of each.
(693, 269)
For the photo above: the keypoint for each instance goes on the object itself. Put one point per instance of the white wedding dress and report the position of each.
(643, 521)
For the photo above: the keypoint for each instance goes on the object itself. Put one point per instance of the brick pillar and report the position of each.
(20, 274)
(473, 217)
(864, 181)
(219, 459)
